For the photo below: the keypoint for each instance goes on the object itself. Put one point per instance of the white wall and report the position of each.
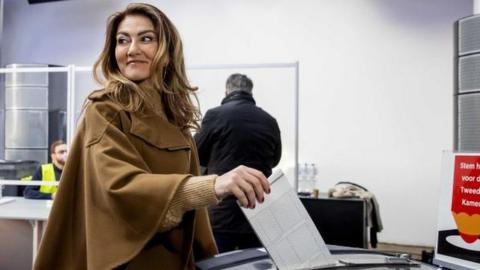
(376, 79)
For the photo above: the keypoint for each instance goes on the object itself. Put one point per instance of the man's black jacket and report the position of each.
(237, 133)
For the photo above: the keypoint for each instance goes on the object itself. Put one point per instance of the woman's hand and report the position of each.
(245, 183)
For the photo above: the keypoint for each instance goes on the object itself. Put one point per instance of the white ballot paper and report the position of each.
(286, 230)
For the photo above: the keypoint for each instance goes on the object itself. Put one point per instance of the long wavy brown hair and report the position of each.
(169, 88)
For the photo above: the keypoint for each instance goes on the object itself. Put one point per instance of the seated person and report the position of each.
(48, 172)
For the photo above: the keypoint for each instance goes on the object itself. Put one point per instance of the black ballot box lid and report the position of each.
(258, 259)
(233, 258)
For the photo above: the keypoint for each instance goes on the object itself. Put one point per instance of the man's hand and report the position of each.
(247, 184)
(53, 195)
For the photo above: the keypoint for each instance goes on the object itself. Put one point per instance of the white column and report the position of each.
(476, 6)
(2, 106)
(1, 30)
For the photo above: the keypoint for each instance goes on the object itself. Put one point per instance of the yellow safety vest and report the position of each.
(48, 174)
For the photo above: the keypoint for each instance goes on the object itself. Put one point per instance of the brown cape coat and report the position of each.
(122, 173)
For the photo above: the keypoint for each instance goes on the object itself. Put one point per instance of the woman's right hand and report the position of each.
(247, 184)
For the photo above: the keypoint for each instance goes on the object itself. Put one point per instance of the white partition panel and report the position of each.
(83, 85)
(32, 95)
(275, 89)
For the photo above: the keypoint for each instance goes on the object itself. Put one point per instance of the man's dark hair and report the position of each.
(239, 82)
(54, 145)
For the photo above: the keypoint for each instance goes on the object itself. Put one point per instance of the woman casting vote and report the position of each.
(130, 197)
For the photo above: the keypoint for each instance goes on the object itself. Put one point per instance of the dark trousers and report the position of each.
(232, 241)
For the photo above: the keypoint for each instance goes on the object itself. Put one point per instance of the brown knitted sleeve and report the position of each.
(196, 192)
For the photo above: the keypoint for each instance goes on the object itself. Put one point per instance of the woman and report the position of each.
(128, 198)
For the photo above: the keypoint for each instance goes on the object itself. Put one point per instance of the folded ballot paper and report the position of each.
(291, 238)
(286, 230)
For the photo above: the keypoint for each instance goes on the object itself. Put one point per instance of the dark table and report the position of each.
(340, 221)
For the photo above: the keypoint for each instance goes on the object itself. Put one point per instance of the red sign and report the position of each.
(466, 197)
